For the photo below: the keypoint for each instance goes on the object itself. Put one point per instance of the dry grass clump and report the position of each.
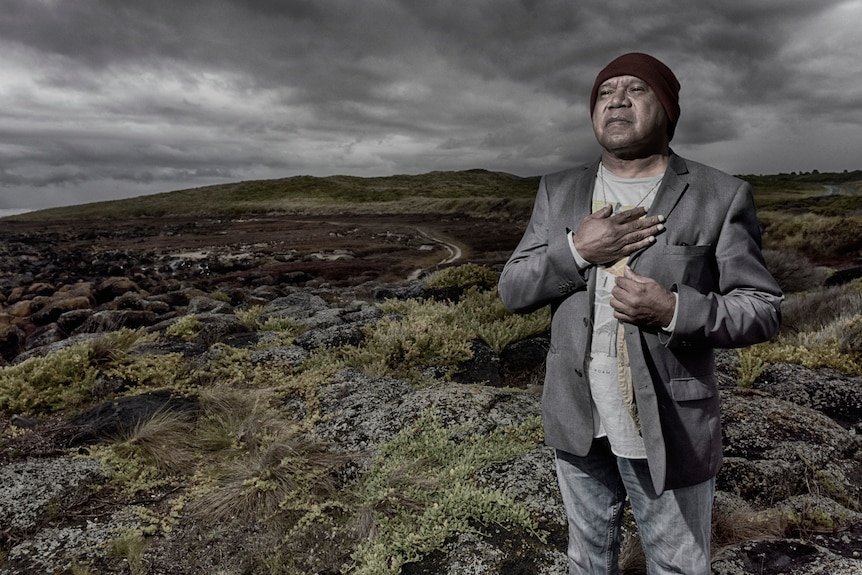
(819, 310)
(156, 453)
(794, 272)
(264, 469)
(163, 441)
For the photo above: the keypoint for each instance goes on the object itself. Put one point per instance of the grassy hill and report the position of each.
(479, 193)
(476, 192)
(827, 194)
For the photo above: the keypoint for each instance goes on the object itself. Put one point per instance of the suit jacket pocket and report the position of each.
(692, 388)
(672, 264)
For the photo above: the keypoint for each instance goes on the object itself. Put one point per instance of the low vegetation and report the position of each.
(239, 466)
(821, 327)
(237, 461)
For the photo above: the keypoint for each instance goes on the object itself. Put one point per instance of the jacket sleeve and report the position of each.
(744, 307)
(541, 269)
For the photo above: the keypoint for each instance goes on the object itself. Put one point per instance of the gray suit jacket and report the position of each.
(709, 254)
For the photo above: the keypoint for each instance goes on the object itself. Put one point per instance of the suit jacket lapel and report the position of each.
(579, 202)
(672, 187)
(582, 204)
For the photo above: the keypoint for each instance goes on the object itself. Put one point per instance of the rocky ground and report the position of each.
(793, 447)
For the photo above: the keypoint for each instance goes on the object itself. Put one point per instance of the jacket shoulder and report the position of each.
(567, 175)
(703, 173)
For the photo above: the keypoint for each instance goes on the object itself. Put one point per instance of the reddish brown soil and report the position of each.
(371, 248)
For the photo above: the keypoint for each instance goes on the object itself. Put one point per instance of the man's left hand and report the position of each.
(642, 301)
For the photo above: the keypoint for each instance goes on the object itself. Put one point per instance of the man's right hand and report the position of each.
(604, 237)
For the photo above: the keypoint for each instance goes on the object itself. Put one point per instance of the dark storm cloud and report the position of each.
(102, 99)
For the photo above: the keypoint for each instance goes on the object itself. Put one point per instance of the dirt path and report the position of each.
(454, 250)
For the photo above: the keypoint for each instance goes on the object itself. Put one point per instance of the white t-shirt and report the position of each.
(611, 415)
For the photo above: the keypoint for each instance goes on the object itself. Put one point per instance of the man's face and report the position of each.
(628, 119)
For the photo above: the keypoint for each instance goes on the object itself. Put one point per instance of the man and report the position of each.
(648, 262)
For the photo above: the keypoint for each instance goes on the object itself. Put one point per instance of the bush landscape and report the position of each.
(234, 460)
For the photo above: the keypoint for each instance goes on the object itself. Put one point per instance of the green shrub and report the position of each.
(250, 317)
(463, 277)
(808, 355)
(403, 346)
(220, 296)
(483, 313)
(418, 334)
(421, 490)
(751, 365)
(283, 325)
(63, 380)
(854, 286)
(186, 328)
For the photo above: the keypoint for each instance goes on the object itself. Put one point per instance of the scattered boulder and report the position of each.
(32, 487)
(114, 287)
(522, 363)
(53, 309)
(11, 340)
(483, 367)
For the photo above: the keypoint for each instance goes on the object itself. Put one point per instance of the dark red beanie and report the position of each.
(653, 72)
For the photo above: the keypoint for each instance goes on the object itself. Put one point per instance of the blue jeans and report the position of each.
(674, 527)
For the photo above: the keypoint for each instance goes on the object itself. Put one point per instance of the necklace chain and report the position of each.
(618, 206)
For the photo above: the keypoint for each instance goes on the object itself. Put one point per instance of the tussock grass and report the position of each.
(278, 477)
(157, 453)
(161, 441)
(129, 546)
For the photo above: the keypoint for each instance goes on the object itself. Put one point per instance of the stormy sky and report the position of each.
(107, 99)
